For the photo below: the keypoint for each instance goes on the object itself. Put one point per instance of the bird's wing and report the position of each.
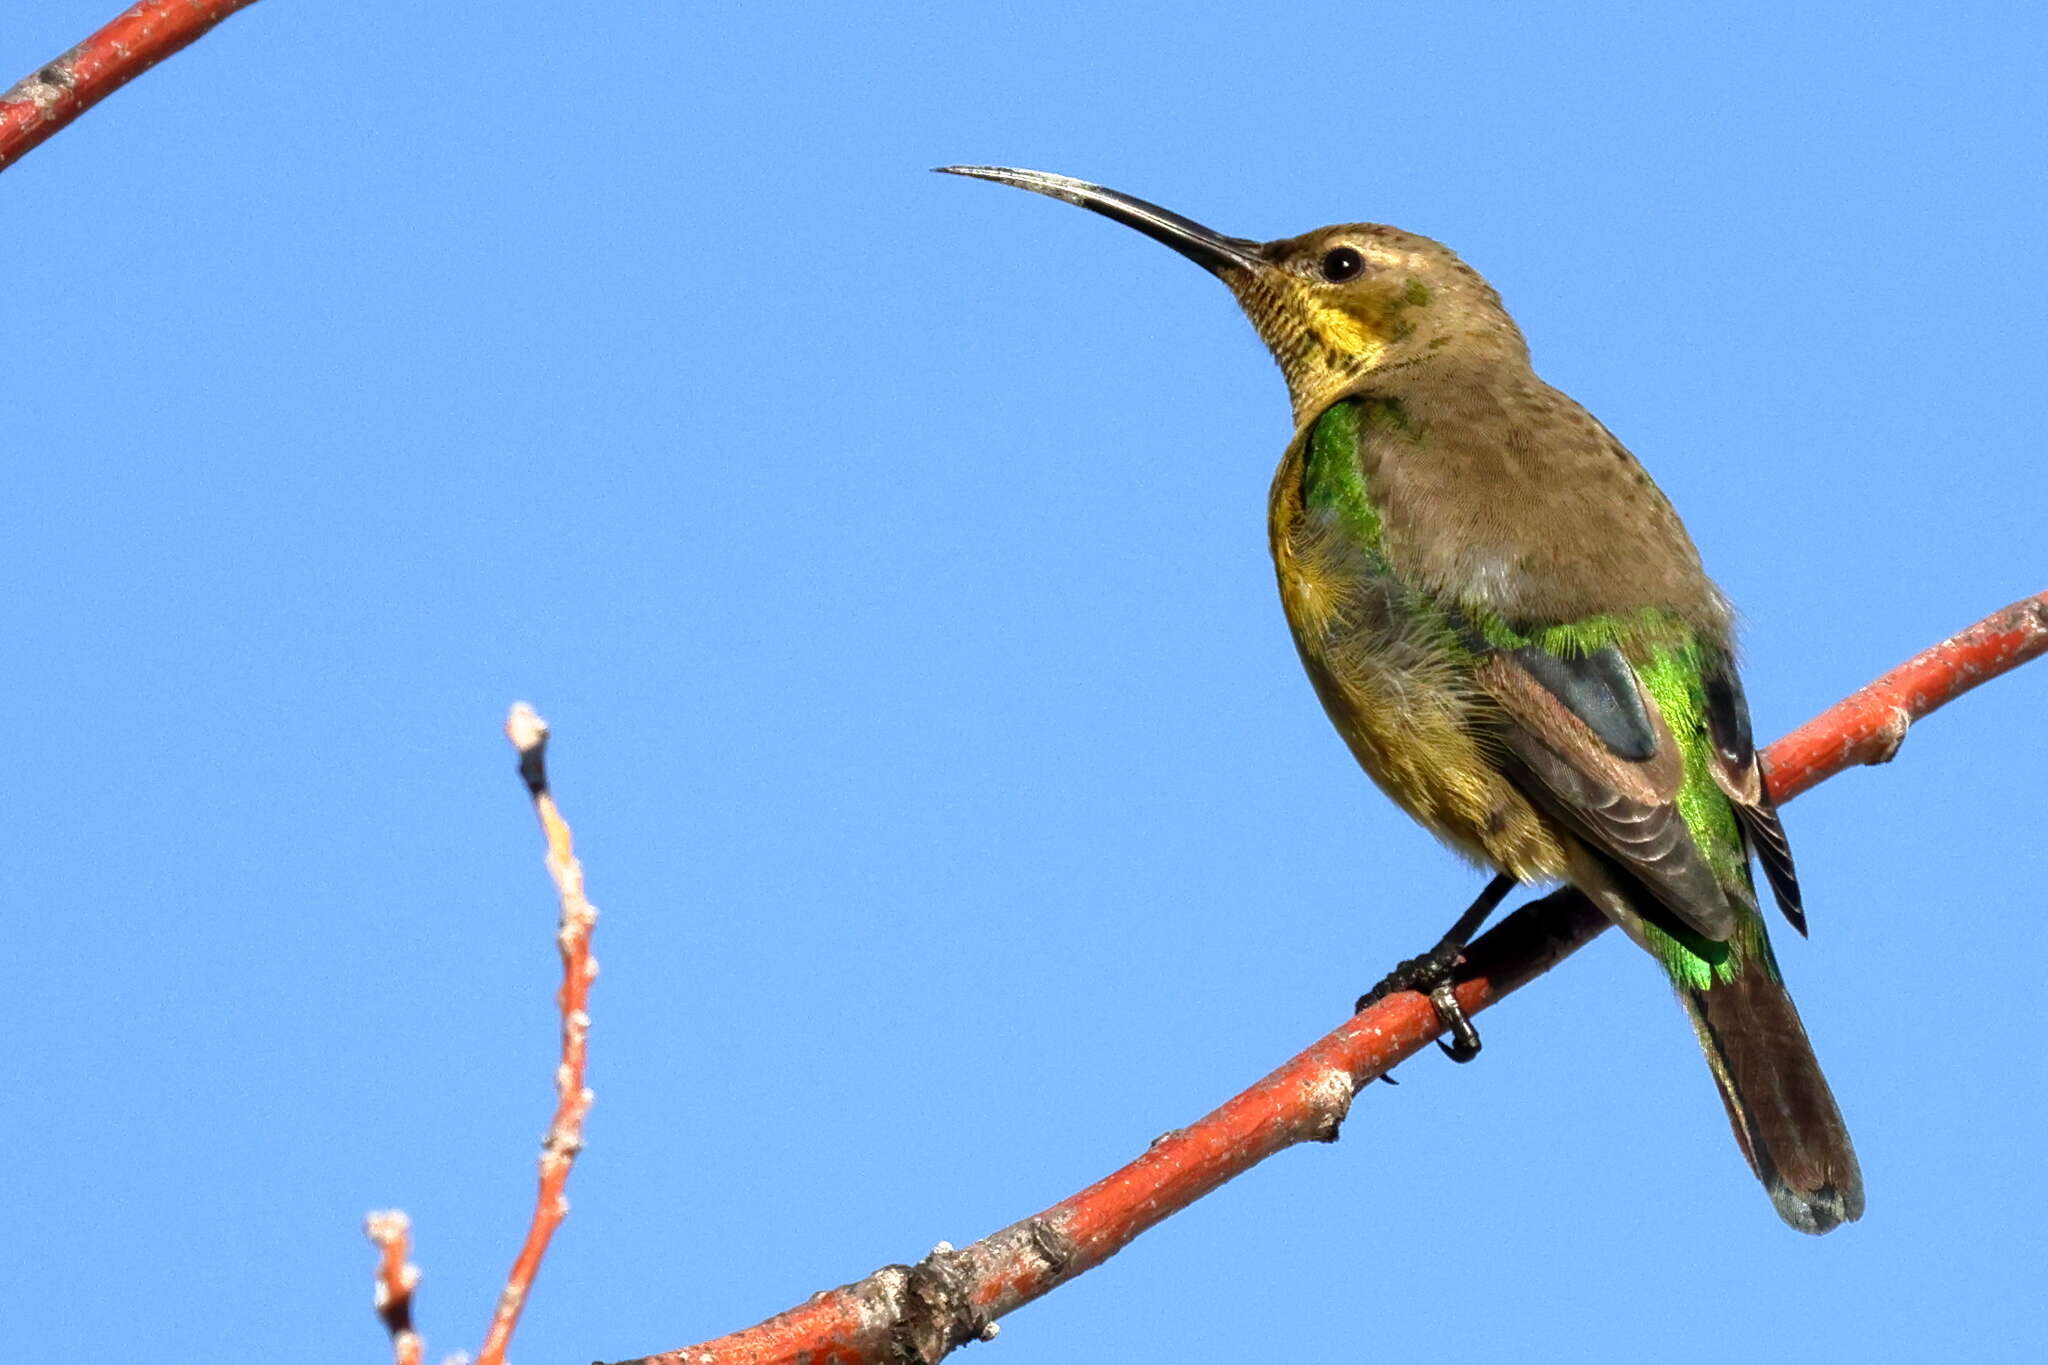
(1731, 758)
(1599, 754)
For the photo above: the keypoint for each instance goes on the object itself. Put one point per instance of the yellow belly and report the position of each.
(1404, 705)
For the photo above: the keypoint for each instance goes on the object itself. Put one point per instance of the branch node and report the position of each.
(1887, 738)
(939, 1312)
(1052, 1244)
(1327, 1096)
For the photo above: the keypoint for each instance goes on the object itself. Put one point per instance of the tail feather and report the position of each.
(1778, 1103)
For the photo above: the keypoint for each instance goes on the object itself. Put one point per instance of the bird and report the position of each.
(1511, 629)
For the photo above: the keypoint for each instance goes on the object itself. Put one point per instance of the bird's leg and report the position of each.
(1431, 973)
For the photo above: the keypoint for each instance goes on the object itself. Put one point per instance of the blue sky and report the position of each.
(888, 553)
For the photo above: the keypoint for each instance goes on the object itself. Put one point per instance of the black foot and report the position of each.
(1430, 974)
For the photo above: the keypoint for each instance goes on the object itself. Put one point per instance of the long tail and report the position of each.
(1778, 1102)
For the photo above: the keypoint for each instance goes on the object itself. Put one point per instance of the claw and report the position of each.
(1431, 975)
(1464, 1044)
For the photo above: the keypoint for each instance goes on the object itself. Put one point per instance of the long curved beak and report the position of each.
(1211, 250)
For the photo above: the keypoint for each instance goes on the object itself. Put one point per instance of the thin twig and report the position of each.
(920, 1313)
(391, 1232)
(529, 734)
(47, 99)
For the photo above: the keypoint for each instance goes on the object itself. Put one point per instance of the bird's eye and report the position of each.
(1341, 264)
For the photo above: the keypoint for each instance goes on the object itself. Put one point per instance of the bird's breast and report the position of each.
(1398, 691)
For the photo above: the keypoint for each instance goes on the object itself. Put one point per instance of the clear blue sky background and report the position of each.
(888, 551)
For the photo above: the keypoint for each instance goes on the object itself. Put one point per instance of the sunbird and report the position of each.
(1511, 629)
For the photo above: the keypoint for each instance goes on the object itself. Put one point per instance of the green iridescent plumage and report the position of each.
(1667, 655)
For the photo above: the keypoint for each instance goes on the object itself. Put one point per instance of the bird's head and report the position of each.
(1331, 305)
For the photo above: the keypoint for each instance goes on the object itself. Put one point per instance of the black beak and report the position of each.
(1211, 250)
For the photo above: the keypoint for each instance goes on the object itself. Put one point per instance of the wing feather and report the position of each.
(1736, 772)
(1626, 807)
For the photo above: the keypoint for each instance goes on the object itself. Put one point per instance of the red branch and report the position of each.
(1869, 726)
(921, 1312)
(42, 103)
